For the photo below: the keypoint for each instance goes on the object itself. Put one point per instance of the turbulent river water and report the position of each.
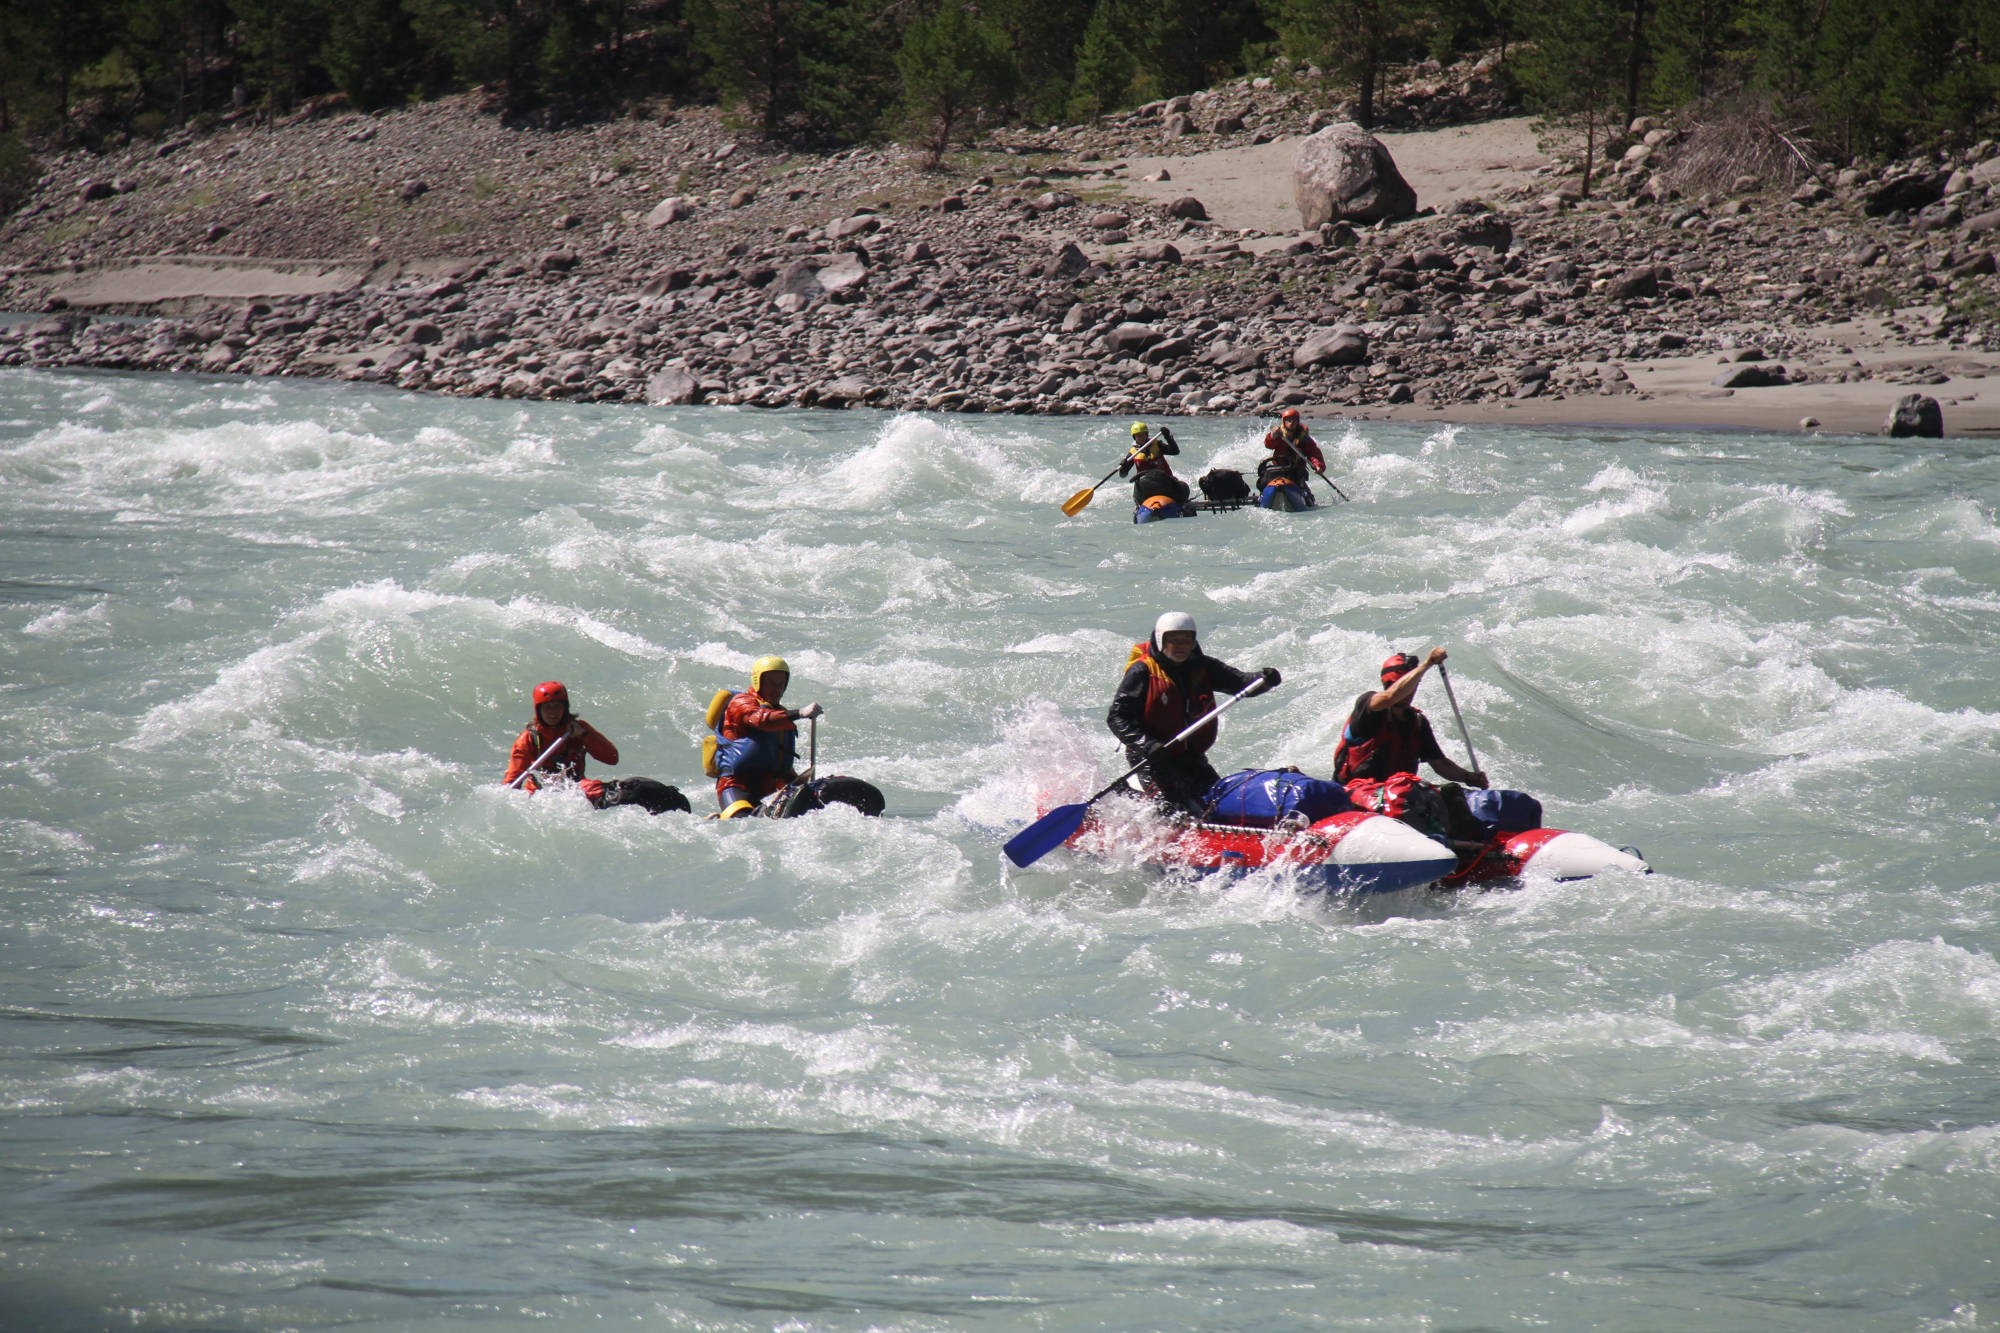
(308, 1024)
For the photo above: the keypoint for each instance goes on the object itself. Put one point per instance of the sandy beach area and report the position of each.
(465, 285)
(1250, 188)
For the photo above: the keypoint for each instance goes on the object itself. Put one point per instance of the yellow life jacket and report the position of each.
(714, 720)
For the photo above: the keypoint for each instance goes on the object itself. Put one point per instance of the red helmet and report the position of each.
(1289, 415)
(1397, 665)
(552, 689)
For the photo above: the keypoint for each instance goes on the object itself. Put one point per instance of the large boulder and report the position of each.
(1066, 262)
(845, 273)
(669, 210)
(1751, 376)
(1344, 174)
(1905, 194)
(860, 224)
(798, 278)
(1635, 283)
(1915, 414)
(1346, 345)
(1132, 337)
(673, 386)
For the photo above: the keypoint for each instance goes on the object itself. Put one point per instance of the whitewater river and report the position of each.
(308, 1024)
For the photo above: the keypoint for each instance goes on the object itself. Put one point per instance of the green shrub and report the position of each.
(19, 171)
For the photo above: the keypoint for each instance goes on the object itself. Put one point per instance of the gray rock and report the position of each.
(1235, 359)
(1343, 173)
(1132, 338)
(1977, 266)
(1635, 283)
(1177, 125)
(1188, 208)
(411, 190)
(1904, 194)
(1052, 200)
(1156, 252)
(798, 278)
(1066, 262)
(1751, 376)
(1346, 345)
(1915, 415)
(861, 224)
(846, 274)
(1077, 317)
(1981, 223)
(743, 197)
(918, 252)
(92, 190)
(557, 261)
(671, 209)
(847, 389)
(1110, 221)
(673, 386)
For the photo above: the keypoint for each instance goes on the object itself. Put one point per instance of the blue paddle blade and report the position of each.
(1046, 834)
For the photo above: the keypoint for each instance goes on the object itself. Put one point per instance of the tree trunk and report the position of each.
(1589, 146)
(1635, 60)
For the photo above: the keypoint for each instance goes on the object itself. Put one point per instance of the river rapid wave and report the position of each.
(310, 1024)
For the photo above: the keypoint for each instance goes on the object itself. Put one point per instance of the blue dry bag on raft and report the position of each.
(1501, 811)
(1261, 797)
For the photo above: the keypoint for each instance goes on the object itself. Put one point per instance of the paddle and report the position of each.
(1300, 455)
(785, 803)
(522, 776)
(1075, 504)
(1056, 827)
(1464, 735)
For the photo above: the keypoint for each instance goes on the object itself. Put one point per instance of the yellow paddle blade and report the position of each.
(1074, 505)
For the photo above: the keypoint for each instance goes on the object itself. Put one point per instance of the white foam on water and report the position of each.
(1052, 761)
(1925, 995)
(1761, 664)
(916, 458)
(73, 623)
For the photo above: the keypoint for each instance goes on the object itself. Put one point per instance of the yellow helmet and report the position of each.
(763, 667)
(1138, 428)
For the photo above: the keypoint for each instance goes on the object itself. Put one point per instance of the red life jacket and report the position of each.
(1399, 744)
(1402, 796)
(1166, 713)
(568, 761)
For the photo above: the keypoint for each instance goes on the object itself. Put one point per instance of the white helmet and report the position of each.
(1170, 622)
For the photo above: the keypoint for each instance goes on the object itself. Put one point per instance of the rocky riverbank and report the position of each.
(667, 260)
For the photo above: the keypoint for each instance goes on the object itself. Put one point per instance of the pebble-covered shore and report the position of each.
(669, 260)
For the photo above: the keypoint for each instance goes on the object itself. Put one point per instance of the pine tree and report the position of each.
(1576, 72)
(1350, 39)
(952, 64)
(1105, 65)
(368, 52)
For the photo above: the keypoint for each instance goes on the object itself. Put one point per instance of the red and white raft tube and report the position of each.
(1545, 853)
(1360, 852)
